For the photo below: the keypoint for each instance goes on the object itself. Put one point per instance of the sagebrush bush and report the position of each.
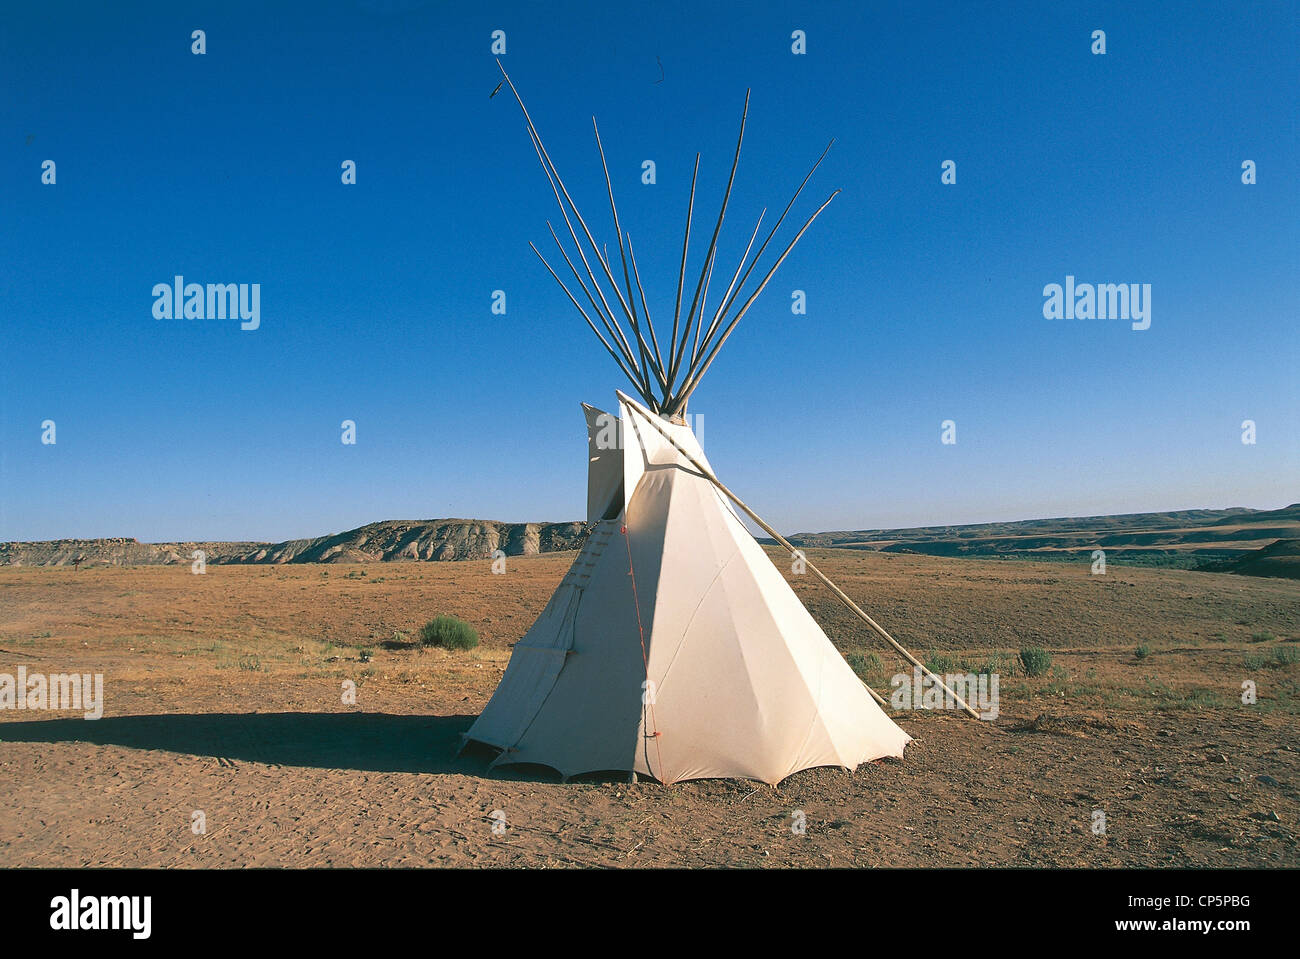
(448, 632)
(1036, 660)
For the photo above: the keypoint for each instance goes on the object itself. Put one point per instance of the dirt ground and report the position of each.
(223, 697)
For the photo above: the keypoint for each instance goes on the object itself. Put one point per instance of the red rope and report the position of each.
(645, 658)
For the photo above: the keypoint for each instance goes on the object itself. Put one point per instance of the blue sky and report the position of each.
(924, 299)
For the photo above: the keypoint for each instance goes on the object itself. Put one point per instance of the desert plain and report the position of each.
(225, 740)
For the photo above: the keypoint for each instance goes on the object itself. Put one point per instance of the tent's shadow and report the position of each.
(377, 742)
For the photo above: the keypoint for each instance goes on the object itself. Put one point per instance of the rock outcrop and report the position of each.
(388, 541)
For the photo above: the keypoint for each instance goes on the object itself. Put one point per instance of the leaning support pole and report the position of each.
(874, 695)
(843, 597)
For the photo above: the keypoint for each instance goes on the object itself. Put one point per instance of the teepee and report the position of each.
(673, 647)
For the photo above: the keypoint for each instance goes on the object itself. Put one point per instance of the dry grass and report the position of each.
(223, 694)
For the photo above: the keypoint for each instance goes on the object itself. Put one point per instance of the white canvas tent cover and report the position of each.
(674, 647)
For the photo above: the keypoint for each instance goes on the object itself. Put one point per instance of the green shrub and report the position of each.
(1142, 652)
(940, 663)
(998, 663)
(1263, 636)
(449, 633)
(866, 666)
(1280, 656)
(1036, 660)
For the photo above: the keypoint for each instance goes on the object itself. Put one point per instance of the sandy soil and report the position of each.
(224, 696)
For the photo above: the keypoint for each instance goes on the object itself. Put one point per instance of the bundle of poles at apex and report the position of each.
(664, 380)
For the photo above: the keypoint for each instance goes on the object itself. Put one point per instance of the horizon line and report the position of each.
(580, 522)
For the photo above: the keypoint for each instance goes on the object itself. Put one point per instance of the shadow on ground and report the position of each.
(377, 742)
